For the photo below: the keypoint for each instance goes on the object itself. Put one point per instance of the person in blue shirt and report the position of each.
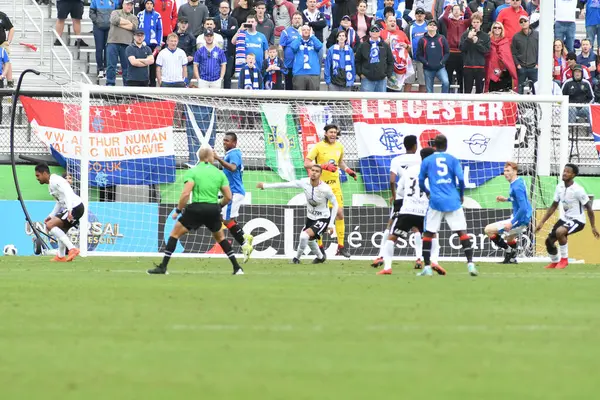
(287, 37)
(151, 23)
(446, 192)
(255, 42)
(233, 167)
(520, 219)
(307, 65)
(591, 12)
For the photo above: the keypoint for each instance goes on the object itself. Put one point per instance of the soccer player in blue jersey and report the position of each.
(233, 167)
(520, 219)
(445, 201)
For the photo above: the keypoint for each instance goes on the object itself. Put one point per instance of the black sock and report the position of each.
(465, 242)
(499, 241)
(171, 245)
(226, 246)
(238, 233)
(427, 250)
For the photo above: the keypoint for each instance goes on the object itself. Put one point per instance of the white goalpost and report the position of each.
(131, 147)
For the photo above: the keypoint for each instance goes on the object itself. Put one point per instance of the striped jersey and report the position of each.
(209, 63)
(171, 63)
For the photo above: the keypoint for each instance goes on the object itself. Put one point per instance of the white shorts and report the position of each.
(455, 219)
(513, 232)
(232, 210)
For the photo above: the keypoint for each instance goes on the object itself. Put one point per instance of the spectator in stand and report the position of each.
(209, 24)
(591, 13)
(392, 34)
(168, 14)
(264, 24)
(511, 16)
(227, 26)
(282, 17)
(456, 24)
(100, 11)
(374, 62)
(315, 19)
(122, 25)
(560, 61)
(339, 68)
(196, 13)
(533, 9)
(341, 8)
(579, 91)
(250, 76)
(415, 31)
(171, 64)
(433, 52)
(139, 57)
(4, 65)
(571, 63)
(210, 63)
(5, 42)
(475, 45)
(398, 9)
(486, 8)
(254, 41)
(346, 26)
(213, 7)
(501, 6)
(500, 66)
(307, 64)
(587, 58)
(564, 22)
(187, 43)
(151, 24)
(65, 8)
(524, 49)
(241, 12)
(273, 70)
(287, 37)
(361, 22)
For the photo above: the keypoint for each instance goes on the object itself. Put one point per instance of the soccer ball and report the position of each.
(10, 250)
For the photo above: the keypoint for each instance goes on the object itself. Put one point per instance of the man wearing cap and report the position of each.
(196, 13)
(307, 65)
(210, 63)
(579, 91)
(433, 52)
(510, 17)
(151, 24)
(227, 26)
(139, 57)
(571, 62)
(415, 31)
(346, 26)
(374, 62)
(120, 35)
(171, 64)
(397, 9)
(524, 49)
(187, 43)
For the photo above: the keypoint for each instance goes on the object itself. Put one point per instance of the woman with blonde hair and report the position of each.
(501, 73)
(560, 60)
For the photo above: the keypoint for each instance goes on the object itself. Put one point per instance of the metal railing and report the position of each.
(86, 79)
(54, 54)
(39, 28)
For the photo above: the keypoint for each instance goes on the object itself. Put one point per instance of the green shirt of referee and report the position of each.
(203, 183)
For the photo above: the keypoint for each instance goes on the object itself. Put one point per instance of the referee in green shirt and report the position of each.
(203, 182)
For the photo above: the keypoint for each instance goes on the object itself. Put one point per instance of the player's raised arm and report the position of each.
(590, 212)
(345, 168)
(279, 185)
(230, 166)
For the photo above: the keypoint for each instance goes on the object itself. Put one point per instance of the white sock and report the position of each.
(418, 245)
(554, 258)
(564, 250)
(384, 238)
(62, 250)
(314, 246)
(302, 244)
(388, 254)
(61, 237)
(435, 250)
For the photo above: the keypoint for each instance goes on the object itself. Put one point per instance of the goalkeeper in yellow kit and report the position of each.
(329, 154)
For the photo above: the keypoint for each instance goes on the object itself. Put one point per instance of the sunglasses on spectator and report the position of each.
(497, 27)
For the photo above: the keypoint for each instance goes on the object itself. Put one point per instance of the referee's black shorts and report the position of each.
(197, 214)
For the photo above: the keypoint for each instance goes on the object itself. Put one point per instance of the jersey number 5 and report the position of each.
(443, 168)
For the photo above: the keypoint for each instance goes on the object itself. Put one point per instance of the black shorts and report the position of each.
(397, 205)
(403, 223)
(318, 226)
(76, 213)
(66, 7)
(572, 227)
(197, 214)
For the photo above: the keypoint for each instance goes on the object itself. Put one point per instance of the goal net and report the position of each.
(129, 157)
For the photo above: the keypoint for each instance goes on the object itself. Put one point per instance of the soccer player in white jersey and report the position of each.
(397, 167)
(411, 216)
(573, 199)
(319, 217)
(66, 213)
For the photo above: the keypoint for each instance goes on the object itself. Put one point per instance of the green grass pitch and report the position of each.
(100, 328)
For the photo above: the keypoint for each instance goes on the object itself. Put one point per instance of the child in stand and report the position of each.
(250, 76)
(273, 71)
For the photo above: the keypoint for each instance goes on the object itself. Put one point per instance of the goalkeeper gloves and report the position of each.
(351, 173)
(329, 167)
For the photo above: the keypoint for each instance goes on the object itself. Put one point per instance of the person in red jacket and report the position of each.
(168, 14)
(509, 18)
(560, 61)
(501, 72)
(456, 24)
